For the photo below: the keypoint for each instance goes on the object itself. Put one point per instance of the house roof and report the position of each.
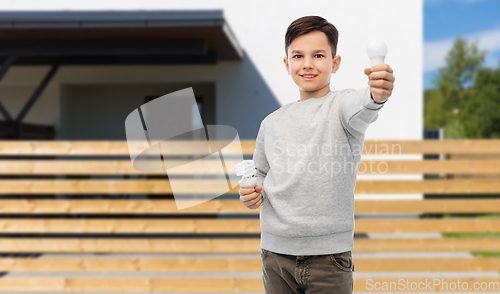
(117, 37)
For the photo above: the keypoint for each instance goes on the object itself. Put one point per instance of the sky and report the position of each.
(445, 20)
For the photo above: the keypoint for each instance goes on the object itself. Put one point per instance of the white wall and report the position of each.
(260, 27)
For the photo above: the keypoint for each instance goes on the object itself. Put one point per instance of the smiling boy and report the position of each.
(307, 216)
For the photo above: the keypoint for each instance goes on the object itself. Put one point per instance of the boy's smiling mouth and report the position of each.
(308, 77)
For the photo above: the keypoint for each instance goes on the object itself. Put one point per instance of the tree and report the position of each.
(434, 105)
(462, 62)
(453, 104)
(484, 106)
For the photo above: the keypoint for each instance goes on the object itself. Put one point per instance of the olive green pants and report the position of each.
(310, 274)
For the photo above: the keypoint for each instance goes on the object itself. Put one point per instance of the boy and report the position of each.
(307, 156)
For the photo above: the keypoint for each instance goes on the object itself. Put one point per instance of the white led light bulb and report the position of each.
(376, 50)
(246, 169)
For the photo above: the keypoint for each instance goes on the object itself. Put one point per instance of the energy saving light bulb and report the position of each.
(376, 50)
(246, 169)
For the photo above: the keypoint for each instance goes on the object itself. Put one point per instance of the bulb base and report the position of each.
(248, 183)
(377, 60)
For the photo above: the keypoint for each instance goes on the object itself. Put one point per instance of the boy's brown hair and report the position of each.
(307, 24)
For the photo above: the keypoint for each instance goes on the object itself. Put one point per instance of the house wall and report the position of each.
(260, 84)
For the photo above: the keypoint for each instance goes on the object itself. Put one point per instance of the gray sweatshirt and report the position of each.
(307, 157)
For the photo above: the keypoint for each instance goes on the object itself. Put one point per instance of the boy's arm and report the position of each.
(260, 160)
(358, 110)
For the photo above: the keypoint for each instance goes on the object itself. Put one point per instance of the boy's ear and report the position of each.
(336, 63)
(285, 61)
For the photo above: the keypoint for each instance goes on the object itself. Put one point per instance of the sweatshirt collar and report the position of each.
(314, 98)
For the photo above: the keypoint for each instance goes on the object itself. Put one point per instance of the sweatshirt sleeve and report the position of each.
(358, 110)
(260, 160)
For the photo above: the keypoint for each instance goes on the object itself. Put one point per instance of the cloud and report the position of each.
(435, 3)
(435, 52)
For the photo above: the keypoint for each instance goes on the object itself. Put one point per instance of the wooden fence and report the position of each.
(58, 216)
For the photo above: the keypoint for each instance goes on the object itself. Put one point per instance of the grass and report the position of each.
(470, 235)
(492, 215)
(475, 235)
(486, 254)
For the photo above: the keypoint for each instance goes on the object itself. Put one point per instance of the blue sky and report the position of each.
(445, 20)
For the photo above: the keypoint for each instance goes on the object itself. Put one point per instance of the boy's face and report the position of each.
(311, 54)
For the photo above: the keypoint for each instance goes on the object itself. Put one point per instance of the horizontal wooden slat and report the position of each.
(427, 186)
(124, 167)
(428, 206)
(427, 225)
(111, 148)
(426, 264)
(124, 285)
(230, 264)
(205, 245)
(127, 206)
(218, 285)
(213, 186)
(490, 166)
(171, 265)
(483, 146)
(209, 226)
(474, 146)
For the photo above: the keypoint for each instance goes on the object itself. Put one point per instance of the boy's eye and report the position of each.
(314, 55)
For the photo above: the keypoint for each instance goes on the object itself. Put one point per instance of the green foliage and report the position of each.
(466, 100)
(461, 64)
(470, 235)
(433, 109)
(486, 254)
(486, 103)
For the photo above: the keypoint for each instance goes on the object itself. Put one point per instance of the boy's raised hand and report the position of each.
(381, 81)
(251, 197)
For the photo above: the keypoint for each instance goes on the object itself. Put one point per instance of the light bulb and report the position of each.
(246, 169)
(376, 50)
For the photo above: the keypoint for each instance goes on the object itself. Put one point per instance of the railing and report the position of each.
(123, 232)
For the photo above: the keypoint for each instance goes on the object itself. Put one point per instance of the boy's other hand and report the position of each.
(381, 81)
(251, 197)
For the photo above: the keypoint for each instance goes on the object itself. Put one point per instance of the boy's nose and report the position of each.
(308, 63)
